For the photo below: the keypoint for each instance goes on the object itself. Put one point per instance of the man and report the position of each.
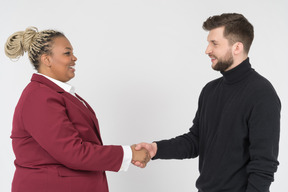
(236, 128)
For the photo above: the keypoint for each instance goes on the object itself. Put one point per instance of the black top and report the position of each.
(235, 133)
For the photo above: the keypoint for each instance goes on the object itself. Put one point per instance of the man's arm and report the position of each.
(264, 129)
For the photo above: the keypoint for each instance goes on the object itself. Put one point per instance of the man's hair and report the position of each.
(236, 28)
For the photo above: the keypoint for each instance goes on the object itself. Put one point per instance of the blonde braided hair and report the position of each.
(31, 41)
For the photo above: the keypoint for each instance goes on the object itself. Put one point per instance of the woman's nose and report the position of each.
(74, 58)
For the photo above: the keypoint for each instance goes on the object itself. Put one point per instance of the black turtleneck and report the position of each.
(235, 133)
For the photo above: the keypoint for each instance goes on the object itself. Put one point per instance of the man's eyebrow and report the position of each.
(68, 48)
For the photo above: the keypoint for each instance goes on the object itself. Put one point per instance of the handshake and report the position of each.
(142, 153)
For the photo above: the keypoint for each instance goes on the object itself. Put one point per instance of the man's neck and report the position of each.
(237, 61)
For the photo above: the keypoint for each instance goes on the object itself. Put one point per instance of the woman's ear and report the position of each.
(45, 60)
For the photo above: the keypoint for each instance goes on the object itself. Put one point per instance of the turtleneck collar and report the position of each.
(238, 73)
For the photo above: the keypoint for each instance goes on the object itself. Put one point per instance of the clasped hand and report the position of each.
(142, 153)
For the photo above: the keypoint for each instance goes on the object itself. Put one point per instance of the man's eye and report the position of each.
(67, 53)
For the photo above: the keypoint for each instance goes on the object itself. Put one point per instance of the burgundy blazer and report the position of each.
(57, 143)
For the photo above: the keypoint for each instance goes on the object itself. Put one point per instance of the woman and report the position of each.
(55, 135)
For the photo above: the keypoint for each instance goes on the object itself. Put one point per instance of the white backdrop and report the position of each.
(141, 65)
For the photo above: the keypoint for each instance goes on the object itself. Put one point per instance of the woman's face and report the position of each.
(62, 60)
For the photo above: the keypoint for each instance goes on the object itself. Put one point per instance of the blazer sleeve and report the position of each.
(44, 116)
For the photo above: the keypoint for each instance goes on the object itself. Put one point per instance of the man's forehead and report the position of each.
(216, 34)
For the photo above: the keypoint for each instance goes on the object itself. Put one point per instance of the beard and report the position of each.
(224, 63)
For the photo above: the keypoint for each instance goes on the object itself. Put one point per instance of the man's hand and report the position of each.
(150, 147)
(141, 155)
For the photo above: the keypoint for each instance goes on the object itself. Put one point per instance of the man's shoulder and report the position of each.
(259, 88)
(258, 81)
(213, 83)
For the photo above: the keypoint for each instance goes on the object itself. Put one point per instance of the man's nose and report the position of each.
(208, 50)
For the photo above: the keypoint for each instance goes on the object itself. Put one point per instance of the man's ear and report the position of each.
(238, 48)
(45, 59)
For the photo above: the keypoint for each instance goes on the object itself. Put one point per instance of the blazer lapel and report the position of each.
(87, 109)
(87, 105)
(92, 114)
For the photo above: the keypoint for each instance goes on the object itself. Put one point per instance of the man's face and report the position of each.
(219, 50)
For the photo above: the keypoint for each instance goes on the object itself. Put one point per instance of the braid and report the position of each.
(31, 41)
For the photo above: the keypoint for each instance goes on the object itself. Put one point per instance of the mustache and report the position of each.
(210, 55)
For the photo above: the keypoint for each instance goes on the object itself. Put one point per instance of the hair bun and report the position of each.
(28, 37)
(19, 42)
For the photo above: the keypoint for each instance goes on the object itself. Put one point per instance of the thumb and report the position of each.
(138, 146)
